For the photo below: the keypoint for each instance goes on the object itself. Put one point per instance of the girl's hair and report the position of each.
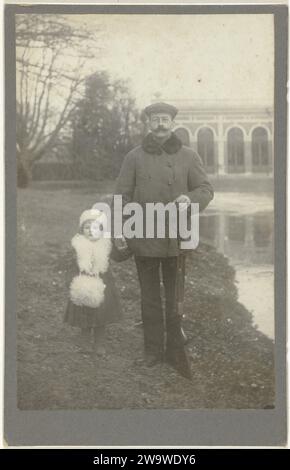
(81, 228)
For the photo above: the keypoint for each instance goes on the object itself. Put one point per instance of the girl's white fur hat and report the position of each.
(92, 214)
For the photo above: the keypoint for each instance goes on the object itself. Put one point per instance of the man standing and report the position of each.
(162, 170)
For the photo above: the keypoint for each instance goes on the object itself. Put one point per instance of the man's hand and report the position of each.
(183, 202)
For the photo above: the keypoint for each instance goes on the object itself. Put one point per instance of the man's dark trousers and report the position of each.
(156, 342)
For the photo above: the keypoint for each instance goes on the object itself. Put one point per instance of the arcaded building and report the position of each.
(231, 138)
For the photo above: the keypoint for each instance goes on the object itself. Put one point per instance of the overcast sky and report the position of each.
(203, 57)
(188, 57)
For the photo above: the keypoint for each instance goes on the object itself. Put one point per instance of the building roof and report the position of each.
(221, 105)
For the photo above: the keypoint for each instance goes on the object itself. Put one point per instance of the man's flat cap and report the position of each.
(161, 108)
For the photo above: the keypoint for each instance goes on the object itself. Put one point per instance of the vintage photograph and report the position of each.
(127, 297)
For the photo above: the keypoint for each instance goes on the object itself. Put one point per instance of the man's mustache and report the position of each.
(160, 128)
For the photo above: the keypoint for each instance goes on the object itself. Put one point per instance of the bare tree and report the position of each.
(51, 57)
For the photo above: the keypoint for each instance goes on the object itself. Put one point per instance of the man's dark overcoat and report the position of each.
(155, 173)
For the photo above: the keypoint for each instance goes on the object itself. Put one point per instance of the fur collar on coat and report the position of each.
(170, 146)
(92, 256)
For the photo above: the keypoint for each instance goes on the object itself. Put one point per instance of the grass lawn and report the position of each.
(232, 362)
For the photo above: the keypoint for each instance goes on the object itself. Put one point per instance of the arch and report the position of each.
(183, 134)
(206, 148)
(235, 126)
(255, 126)
(207, 126)
(235, 150)
(260, 150)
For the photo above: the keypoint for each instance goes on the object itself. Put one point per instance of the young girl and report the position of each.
(93, 300)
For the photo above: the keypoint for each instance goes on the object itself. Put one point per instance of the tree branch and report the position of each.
(46, 83)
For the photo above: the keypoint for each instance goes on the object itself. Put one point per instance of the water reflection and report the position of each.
(245, 239)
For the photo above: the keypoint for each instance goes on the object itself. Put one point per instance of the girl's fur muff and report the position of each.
(88, 288)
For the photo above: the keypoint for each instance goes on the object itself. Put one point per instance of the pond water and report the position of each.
(241, 226)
